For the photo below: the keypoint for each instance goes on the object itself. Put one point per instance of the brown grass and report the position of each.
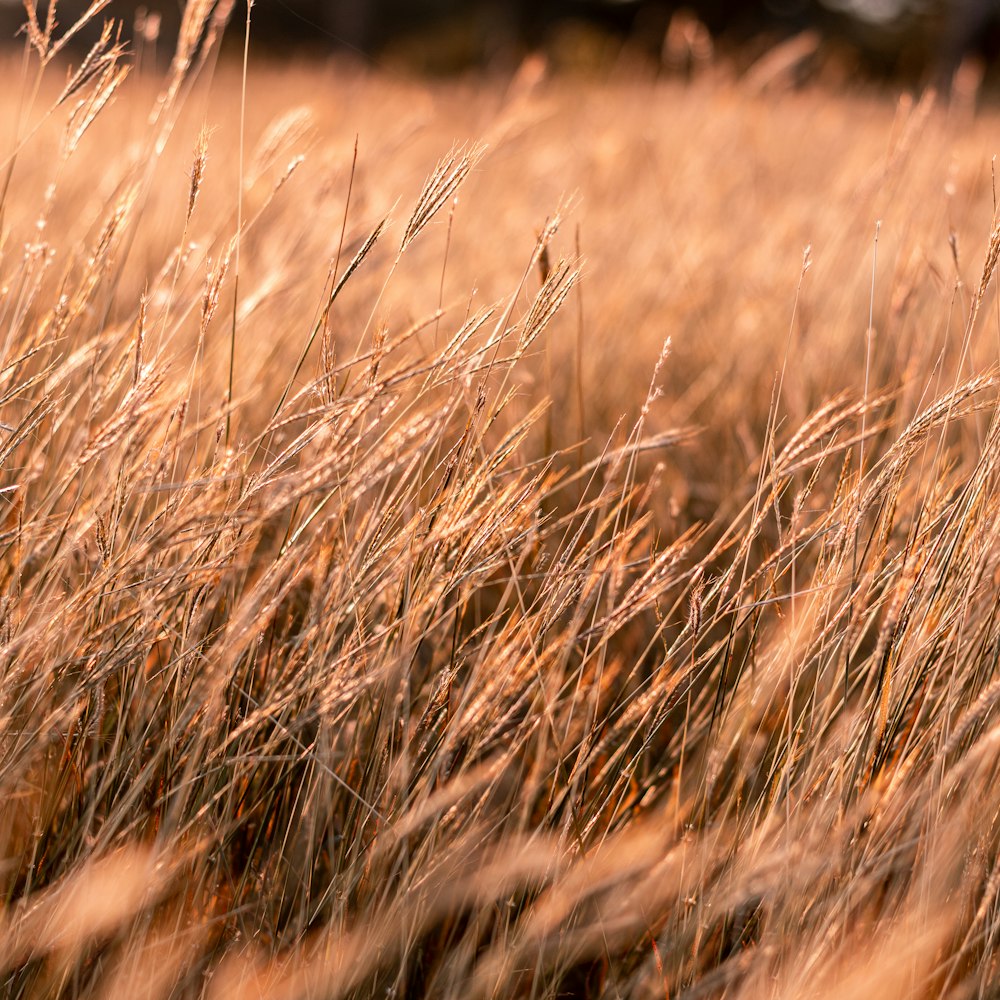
(582, 588)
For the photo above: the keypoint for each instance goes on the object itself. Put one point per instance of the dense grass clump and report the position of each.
(529, 575)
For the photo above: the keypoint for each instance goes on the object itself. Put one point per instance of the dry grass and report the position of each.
(368, 672)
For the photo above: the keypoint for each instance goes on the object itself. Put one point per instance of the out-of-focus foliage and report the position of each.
(908, 37)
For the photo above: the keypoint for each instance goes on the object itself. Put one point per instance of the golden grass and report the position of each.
(580, 588)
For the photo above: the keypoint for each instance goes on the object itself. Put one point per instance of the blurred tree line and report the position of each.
(908, 38)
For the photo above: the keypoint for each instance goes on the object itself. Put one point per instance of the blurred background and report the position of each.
(914, 41)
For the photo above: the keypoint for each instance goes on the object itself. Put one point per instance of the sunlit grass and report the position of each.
(585, 584)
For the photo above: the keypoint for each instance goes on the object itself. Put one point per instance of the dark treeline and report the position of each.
(889, 37)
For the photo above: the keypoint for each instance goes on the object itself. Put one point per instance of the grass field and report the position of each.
(525, 537)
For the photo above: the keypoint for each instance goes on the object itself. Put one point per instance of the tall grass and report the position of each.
(447, 615)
